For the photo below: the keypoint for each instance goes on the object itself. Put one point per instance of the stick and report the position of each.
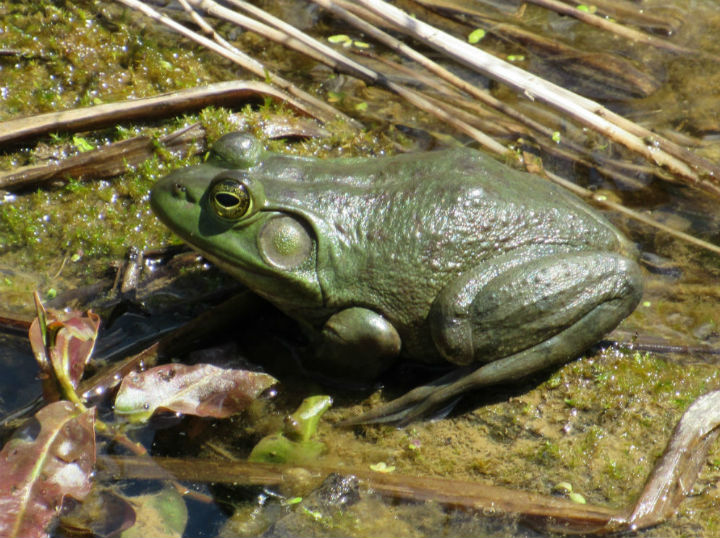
(581, 109)
(337, 60)
(613, 27)
(245, 61)
(164, 105)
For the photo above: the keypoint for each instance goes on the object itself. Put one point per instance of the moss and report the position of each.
(547, 454)
(73, 57)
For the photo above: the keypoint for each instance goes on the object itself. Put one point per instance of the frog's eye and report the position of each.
(230, 199)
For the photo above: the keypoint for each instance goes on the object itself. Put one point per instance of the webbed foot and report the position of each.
(434, 399)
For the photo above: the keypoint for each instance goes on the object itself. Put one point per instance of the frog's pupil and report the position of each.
(227, 200)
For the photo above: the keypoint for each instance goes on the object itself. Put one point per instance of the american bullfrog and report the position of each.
(438, 256)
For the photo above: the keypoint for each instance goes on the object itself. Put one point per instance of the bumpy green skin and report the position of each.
(445, 255)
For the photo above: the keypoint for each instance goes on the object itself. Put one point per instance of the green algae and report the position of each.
(79, 54)
(72, 55)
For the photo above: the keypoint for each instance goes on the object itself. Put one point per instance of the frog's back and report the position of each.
(445, 209)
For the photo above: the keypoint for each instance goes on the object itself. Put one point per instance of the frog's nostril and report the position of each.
(180, 191)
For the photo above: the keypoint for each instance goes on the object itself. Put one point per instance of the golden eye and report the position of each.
(230, 199)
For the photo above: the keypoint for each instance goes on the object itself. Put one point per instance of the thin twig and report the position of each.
(609, 204)
(613, 27)
(583, 110)
(542, 510)
(106, 161)
(243, 60)
(285, 34)
(340, 61)
(344, 10)
(164, 105)
(207, 28)
(635, 15)
(692, 159)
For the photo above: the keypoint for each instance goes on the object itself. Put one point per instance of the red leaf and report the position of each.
(68, 338)
(51, 457)
(74, 344)
(203, 390)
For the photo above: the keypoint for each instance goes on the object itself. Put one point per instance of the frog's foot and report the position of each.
(424, 400)
(402, 411)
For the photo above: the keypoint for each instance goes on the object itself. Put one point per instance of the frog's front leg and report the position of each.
(519, 318)
(356, 343)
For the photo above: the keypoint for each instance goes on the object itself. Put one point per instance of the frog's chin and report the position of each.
(268, 284)
(236, 267)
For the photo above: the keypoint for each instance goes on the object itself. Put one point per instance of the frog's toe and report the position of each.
(435, 407)
(393, 411)
(427, 401)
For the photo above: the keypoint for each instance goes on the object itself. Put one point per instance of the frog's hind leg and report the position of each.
(423, 400)
(568, 303)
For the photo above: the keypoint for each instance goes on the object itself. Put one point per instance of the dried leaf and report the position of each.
(74, 344)
(203, 390)
(50, 458)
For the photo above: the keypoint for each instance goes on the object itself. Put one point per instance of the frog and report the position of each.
(446, 257)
